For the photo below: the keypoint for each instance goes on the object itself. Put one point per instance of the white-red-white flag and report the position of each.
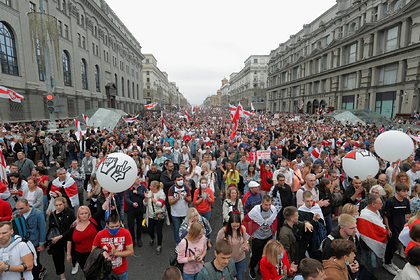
(232, 110)
(187, 117)
(70, 188)
(10, 94)
(85, 120)
(164, 130)
(252, 108)
(3, 174)
(130, 120)
(415, 137)
(150, 105)
(192, 110)
(78, 127)
(174, 105)
(372, 231)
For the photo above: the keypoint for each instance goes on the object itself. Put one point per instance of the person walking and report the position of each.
(134, 197)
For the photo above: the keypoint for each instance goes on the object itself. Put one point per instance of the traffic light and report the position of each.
(50, 103)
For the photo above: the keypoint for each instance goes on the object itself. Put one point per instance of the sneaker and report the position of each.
(402, 254)
(252, 273)
(395, 266)
(75, 269)
(139, 243)
(42, 274)
(390, 269)
(151, 242)
(158, 250)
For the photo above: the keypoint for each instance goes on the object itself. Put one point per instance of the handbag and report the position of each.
(173, 260)
(160, 216)
(54, 231)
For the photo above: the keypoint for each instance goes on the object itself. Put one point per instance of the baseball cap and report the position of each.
(299, 155)
(253, 184)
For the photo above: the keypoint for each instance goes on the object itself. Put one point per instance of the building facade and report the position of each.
(357, 55)
(157, 87)
(249, 85)
(224, 99)
(100, 61)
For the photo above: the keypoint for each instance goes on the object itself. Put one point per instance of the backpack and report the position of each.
(322, 246)
(19, 227)
(233, 209)
(18, 240)
(173, 260)
(294, 201)
(173, 189)
(318, 236)
(212, 272)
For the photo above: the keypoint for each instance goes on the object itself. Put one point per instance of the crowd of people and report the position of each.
(279, 208)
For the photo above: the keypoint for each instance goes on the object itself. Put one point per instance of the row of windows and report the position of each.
(386, 75)
(128, 88)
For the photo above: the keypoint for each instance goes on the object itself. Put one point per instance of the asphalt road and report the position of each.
(146, 265)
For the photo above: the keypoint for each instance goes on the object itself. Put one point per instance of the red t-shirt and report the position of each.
(123, 238)
(83, 240)
(410, 245)
(43, 179)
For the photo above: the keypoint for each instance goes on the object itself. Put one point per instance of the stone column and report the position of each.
(374, 78)
(381, 11)
(376, 44)
(360, 49)
(405, 29)
(402, 67)
(415, 28)
(342, 56)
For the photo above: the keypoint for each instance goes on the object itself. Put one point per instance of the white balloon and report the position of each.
(393, 145)
(360, 163)
(116, 172)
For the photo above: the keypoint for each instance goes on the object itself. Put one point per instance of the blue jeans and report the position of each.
(206, 215)
(45, 201)
(120, 197)
(328, 222)
(73, 156)
(177, 221)
(46, 159)
(240, 269)
(25, 148)
(81, 155)
(186, 276)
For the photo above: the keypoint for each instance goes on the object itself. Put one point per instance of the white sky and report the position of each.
(198, 43)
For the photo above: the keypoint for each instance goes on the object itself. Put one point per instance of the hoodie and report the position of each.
(334, 271)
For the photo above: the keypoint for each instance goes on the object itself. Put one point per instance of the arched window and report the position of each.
(8, 55)
(116, 83)
(122, 86)
(138, 96)
(397, 4)
(83, 68)
(133, 89)
(63, 6)
(128, 88)
(97, 82)
(96, 31)
(82, 20)
(39, 62)
(66, 68)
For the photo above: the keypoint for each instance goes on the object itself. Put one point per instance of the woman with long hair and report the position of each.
(203, 199)
(156, 213)
(235, 233)
(415, 201)
(251, 175)
(194, 216)
(331, 156)
(81, 236)
(192, 258)
(274, 263)
(297, 179)
(232, 204)
(209, 175)
(306, 169)
(194, 172)
(93, 191)
(231, 175)
(266, 178)
(64, 216)
(325, 188)
(16, 188)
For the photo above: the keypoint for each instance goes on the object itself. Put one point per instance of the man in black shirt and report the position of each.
(153, 174)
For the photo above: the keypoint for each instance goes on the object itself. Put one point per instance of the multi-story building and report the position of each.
(249, 85)
(99, 60)
(225, 93)
(357, 55)
(157, 87)
(207, 101)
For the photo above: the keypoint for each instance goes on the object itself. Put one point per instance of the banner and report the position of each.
(263, 154)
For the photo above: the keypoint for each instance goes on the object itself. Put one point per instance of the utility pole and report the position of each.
(49, 80)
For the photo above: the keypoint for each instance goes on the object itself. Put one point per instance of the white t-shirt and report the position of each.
(31, 197)
(299, 193)
(180, 208)
(20, 250)
(288, 176)
(413, 176)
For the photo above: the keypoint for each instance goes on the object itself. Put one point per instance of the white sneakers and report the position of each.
(391, 268)
(75, 269)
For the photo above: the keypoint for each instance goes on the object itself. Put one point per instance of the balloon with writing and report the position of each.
(116, 172)
(394, 145)
(360, 163)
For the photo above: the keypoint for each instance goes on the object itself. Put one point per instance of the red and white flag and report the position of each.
(344, 145)
(372, 231)
(85, 119)
(150, 105)
(305, 143)
(252, 108)
(253, 221)
(130, 120)
(232, 110)
(70, 188)
(10, 94)
(415, 137)
(356, 144)
(192, 110)
(187, 117)
(339, 141)
(235, 125)
(78, 127)
(301, 106)
(174, 105)
(3, 175)
(247, 114)
(315, 153)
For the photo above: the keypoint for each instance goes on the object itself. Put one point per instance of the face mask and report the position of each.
(113, 231)
(281, 255)
(347, 263)
(203, 186)
(282, 169)
(180, 183)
